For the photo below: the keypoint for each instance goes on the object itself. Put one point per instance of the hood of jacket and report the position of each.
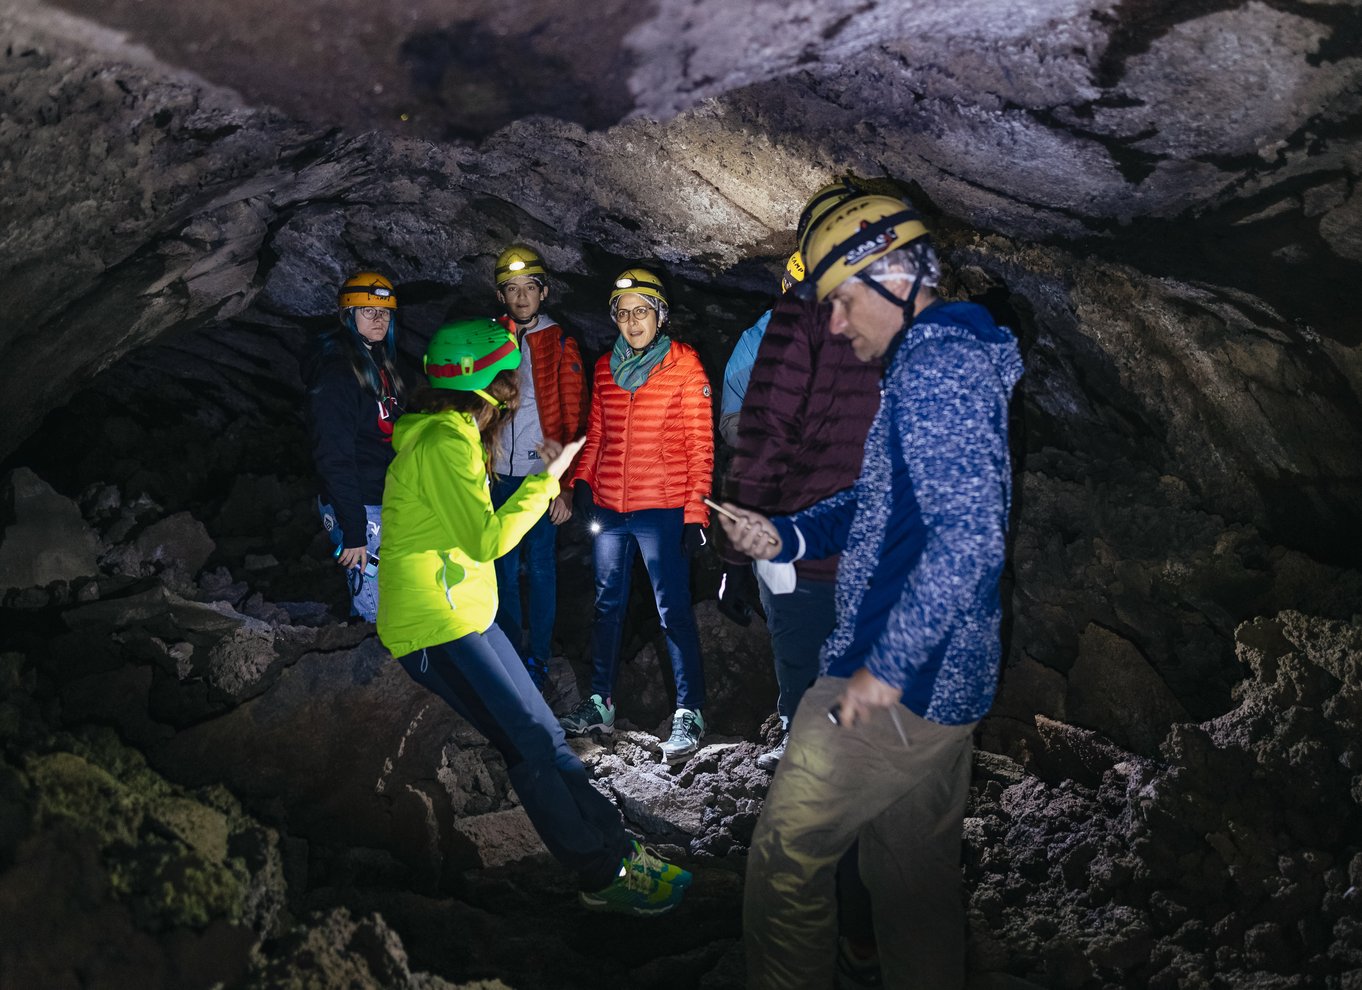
(968, 321)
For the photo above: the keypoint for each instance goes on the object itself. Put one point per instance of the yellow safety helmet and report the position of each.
(367, 289)
(854, 236)
(639, 280)
(519, 260)
(794, 272)
(826, 198)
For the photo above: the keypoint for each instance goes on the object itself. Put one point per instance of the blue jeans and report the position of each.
(363, 587)
(799, 622)
(656, 533)
(483, 679)
(540, 556)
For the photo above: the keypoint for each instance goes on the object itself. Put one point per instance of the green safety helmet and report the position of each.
(519, 260)
(467, 355)
(639, 280)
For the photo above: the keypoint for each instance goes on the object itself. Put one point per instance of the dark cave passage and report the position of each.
(208, 776)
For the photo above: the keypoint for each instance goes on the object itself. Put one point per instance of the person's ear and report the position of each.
(902, 285)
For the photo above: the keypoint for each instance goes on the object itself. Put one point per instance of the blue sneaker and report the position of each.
(634, 891)
(658, 867)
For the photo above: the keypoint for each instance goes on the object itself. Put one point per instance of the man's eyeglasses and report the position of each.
(637, 313)
(374, 313)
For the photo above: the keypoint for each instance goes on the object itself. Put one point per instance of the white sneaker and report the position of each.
(767, 761)
(688, 728)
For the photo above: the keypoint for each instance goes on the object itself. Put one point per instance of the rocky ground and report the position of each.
(208, 783)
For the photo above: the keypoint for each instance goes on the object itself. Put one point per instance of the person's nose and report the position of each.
(837, 322)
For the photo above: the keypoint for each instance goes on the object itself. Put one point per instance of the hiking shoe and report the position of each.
(767, 761)
(856, 974)
(688, 728)
(635, 890)
(658, 868)
(593, 714)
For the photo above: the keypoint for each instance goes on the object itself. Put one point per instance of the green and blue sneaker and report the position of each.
(658, 867)
(635, 890)
(595, 714)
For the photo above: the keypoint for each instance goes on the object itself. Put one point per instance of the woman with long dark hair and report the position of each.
(439, 598)
(354, 395)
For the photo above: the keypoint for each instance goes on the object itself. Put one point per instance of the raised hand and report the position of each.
(558, 456)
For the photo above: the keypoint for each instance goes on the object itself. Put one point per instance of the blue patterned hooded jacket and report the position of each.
(922, 531)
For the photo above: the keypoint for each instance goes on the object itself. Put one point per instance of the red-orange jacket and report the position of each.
(559, 382)
(654, 448)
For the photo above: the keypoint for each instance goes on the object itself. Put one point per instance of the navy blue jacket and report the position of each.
(351, 434)
(922, 530)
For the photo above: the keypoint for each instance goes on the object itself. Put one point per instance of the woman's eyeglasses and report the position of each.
(374, 313)
(637, 313)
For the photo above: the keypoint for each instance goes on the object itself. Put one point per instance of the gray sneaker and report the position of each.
(767, 761)
(688, 728)
(595, 714)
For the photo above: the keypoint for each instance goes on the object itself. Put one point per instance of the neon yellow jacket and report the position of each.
(436, 579)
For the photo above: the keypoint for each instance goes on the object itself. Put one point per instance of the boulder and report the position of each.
(179, 545)
(658, 804)
(338, 737)
(118, 872)
(45, 539)
(496, 838)
(332, 949)
(1114, 691)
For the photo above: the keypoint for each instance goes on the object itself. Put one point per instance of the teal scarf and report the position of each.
(631, 370)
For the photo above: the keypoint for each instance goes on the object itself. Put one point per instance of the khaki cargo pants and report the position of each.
(906, 802)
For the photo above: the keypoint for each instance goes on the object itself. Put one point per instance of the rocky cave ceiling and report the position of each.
(1160, 197)
(188, 166)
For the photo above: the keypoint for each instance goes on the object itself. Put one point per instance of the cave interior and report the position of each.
(208, 777)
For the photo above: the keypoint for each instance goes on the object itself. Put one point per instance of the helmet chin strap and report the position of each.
(495, 402)
(904, 304)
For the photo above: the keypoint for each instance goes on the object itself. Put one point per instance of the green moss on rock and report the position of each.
(168, 853)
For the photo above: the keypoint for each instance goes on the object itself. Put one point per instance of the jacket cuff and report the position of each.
(700, 516)
(550, 484)
(893, 673)
(791, 540)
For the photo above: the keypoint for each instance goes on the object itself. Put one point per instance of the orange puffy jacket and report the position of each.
(559, 381)
(654, 448)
